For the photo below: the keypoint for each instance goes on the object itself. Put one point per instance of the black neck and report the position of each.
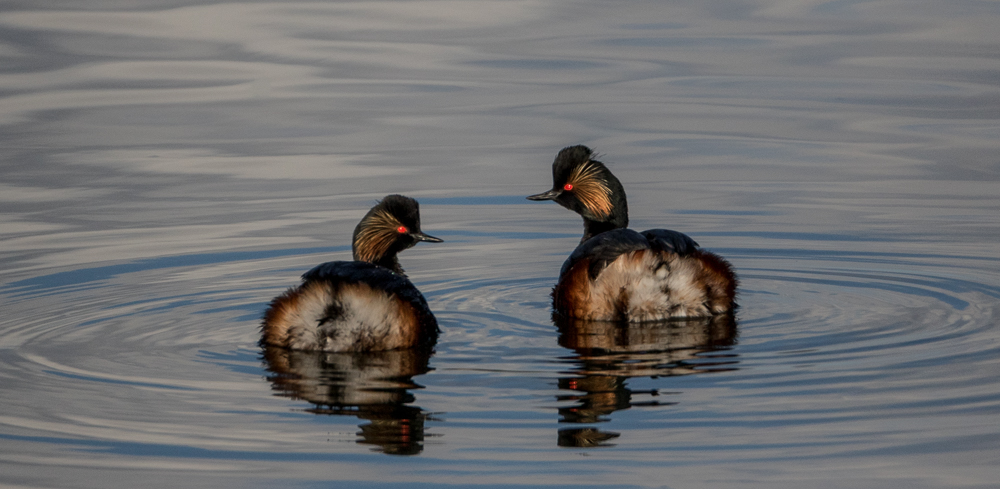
(592, 228)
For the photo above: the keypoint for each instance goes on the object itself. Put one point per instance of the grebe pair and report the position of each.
(615, 274)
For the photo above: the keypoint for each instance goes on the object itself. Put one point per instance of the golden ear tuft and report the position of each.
(588, 186)
(377, 234)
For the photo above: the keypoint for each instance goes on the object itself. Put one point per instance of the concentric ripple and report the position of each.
(159, 357)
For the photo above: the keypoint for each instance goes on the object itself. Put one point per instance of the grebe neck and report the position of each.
(392, 263)
(388, 260)
(617, 219)
(592, 228)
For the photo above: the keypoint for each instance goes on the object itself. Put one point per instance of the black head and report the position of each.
(585, 186)
(393, 225)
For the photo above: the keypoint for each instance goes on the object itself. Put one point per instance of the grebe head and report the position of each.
(393, 225)
(585, 186)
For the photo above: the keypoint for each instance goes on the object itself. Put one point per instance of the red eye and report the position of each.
(568, 186)
(402, 230)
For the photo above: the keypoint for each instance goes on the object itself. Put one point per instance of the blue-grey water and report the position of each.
(167, 167)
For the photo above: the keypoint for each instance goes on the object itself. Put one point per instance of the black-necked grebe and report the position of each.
(363, 305)
(618, 274)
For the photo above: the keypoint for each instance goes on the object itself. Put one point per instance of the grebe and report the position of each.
(618, 274)
(363, 305)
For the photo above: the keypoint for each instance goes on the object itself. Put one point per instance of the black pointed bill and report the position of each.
(419, 236)
(550, 195)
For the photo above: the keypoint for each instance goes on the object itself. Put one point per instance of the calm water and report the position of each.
(169, 167)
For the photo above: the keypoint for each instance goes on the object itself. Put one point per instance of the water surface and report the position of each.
(168, 168)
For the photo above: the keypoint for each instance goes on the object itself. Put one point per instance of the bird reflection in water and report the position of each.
(374, 386)
(608, 353)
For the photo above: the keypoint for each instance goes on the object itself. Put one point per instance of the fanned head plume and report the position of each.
(393, 225)
(587, 183)
(375, 235)
(584, 185)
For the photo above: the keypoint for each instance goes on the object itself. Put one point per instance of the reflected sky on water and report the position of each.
(168, 167)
